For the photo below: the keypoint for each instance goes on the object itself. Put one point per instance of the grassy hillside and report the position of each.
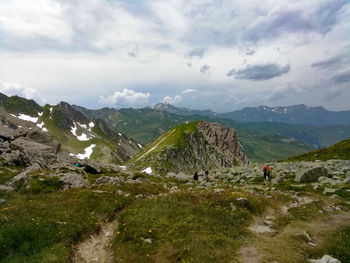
(339, 150)
(173, 138)
(17, 104)
(315, 135)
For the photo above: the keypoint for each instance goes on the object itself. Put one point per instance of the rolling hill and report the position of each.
(340, 150)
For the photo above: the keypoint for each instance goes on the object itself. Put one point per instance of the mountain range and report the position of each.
(121, 133)
(295, 114)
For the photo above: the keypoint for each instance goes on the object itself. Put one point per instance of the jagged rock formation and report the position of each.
(195, 146)
(58, 127)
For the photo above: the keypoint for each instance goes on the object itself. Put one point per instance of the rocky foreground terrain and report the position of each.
(302, 215)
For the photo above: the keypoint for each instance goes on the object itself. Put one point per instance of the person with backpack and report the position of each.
(195, 177)
(267, 173)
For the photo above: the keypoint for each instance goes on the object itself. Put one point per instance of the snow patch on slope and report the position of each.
(87, 152)
(26, 117)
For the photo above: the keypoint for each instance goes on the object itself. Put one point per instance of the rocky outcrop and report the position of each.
(310, 175)
(24, 146)
(224, 140)
(207, 146)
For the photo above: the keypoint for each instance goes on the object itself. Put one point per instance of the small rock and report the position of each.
(329, 191)
(304, 234)
(219, 190)
(312, 244)
(146, 240)
(6, 188)
(2, 201)
(324, 259)
(233, 207)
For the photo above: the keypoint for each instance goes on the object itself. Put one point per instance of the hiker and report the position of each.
(195, 177)
(207, 177)
(267, 173)
(78, 164)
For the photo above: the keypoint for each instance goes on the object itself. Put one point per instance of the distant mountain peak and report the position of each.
(165, 106)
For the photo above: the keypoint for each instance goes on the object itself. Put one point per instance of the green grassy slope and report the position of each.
(17, 104)
(173, 138)
(340, 150)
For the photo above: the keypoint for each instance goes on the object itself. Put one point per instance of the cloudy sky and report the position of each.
(216, 54)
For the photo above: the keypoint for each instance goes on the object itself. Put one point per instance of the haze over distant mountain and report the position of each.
(296, 114)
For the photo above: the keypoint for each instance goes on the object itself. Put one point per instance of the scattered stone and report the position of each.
(312, 244)
(233, 207)
(2, 201)
(269, 223)
(219, 190)
(146, 240)
(73, 180)
(329, 191)
(303, 233)
(262, 230)
(324, 259)
(107, 180)
(139, 196)
(6, 188)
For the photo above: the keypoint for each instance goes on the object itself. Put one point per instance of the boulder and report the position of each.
(310, 175)
(73, 180)
(324, 259)
(43, 138)
(33, 152)
(6, 133)
(92, 167)
(109, 180)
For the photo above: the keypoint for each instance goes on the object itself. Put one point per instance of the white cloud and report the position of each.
(172, 100)
(11, 89)
(189, 91)
(30, 19)
(126, 96)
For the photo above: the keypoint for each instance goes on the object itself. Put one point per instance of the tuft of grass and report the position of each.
(8, 172)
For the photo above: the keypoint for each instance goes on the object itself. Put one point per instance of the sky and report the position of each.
(221, 55)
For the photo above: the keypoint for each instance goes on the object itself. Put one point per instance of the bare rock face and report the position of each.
(224, 140)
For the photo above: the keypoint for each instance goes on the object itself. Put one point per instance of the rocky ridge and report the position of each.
(204, 146)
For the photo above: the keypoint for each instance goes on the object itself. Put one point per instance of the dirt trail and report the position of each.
(97, 248)
(264, 227)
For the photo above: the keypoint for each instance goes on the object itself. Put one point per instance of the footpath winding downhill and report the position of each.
(97, 247)
(265, 231)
